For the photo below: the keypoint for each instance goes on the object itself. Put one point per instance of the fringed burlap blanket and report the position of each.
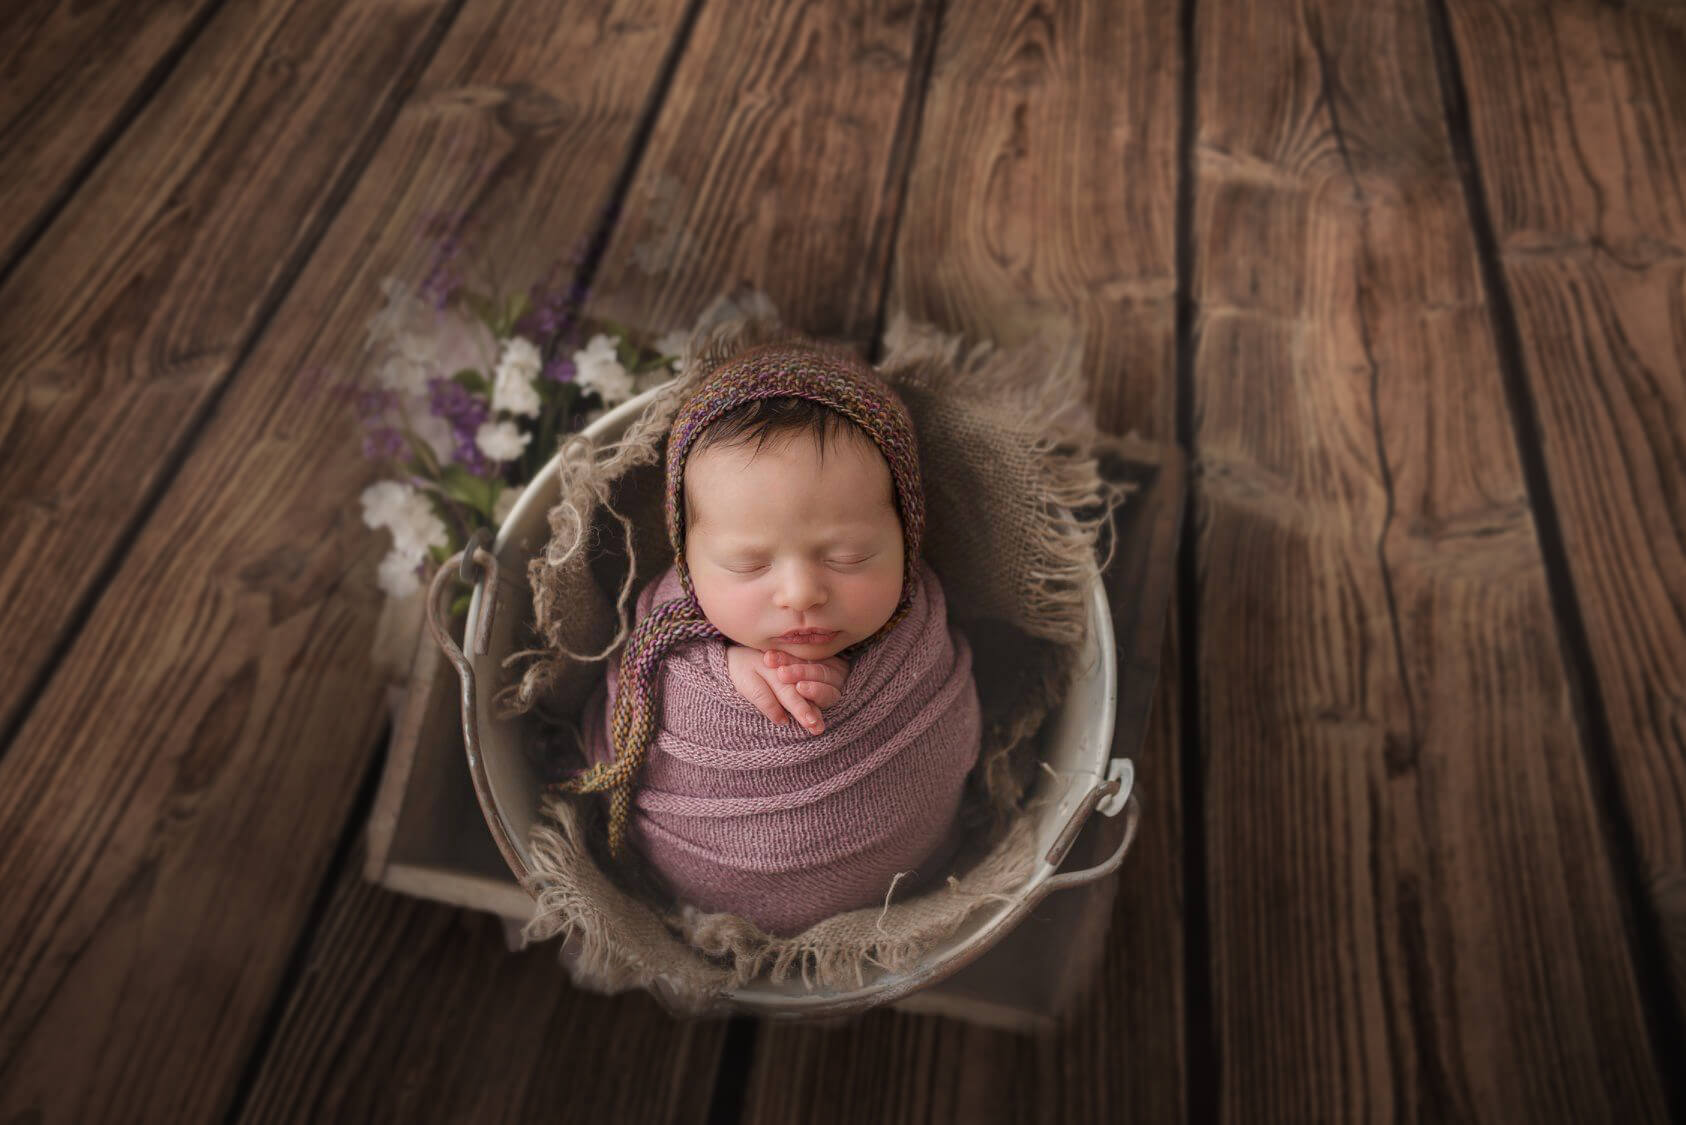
(783, 828)
(1016, 505)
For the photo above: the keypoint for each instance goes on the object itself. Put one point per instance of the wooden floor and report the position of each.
(1406, 277)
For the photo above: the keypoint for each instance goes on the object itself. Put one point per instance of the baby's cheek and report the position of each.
(731, 609)
(880, 593)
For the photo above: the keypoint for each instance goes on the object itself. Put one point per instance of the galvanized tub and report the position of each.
(1077, 744)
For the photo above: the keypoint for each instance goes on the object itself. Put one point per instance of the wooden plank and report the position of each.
(1412, 915)
(774, 163)
(71, 75)
(1578, 115)
(1042, 199)
(124, 321)
(183, 780)
(411, 1011)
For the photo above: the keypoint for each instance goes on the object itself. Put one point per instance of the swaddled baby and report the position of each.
(792, 720)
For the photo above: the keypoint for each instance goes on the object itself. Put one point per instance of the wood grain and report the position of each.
(1042, 201)
(1412, 917)
(774, 162)
(411, 1011)
(1578, 116)
(124, 321)
(71, 74)
(182, 782)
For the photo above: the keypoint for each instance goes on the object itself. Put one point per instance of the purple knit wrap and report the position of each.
(785, 828)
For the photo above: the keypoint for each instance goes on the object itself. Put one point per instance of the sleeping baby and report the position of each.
(791, 722)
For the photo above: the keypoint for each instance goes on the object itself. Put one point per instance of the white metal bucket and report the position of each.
(1078, 740)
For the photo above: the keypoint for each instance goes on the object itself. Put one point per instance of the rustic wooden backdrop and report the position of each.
(1406, 277)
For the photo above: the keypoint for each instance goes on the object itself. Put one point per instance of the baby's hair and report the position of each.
(763, 419)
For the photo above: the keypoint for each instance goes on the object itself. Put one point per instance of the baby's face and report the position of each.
(782, 541)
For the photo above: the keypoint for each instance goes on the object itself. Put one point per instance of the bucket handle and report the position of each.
(1114, 795)
(477, 566)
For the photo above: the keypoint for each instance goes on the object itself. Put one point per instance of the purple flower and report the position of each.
(560, 369)
(450, 400)
(383, 443)
(444, 275)
(465, 411)
(553, 309)
(468, 455)
(372, 403)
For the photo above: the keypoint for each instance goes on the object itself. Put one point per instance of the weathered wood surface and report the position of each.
(777, 161)
(1588, 205)
(412, 1011)
(1042, 202)
(1412, 908)
(71, 74)
(1412, 914)
(124, 321)
(183, 781)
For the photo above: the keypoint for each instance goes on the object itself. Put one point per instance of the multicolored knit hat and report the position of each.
(834, 379)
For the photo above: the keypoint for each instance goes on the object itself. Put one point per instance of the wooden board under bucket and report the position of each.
(427, 837)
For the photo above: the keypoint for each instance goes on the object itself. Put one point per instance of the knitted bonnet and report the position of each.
(834, 379)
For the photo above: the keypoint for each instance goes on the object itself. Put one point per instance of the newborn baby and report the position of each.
(793, 709)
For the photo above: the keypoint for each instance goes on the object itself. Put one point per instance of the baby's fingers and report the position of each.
(804, 711)
(823, 695)
(760, 693)
(820, 673)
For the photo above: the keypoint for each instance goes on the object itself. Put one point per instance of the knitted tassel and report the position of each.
(634, 722)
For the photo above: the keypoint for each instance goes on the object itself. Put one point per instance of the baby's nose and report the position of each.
(801, 589)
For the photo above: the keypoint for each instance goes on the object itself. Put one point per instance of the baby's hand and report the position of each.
(781, 686)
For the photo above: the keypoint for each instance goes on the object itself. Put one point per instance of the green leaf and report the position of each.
(472, 381)
(424, 456)
(460, 605)
(439, 553)
(514, 309)
(463, 486)
(483, 307)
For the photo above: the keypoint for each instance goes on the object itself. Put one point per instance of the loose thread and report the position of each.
(879, 925)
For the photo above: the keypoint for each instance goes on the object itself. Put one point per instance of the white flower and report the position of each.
(520, 357)
(386, 324)
(400, 373)
(382, 502)
(597, 349)
(412, 341)
(504, 504)
(597, 369)
(408, 515)
(397, 576)
(434, 431)
(512, 387)
(418, 530)
(501, 441)
(674, 344)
